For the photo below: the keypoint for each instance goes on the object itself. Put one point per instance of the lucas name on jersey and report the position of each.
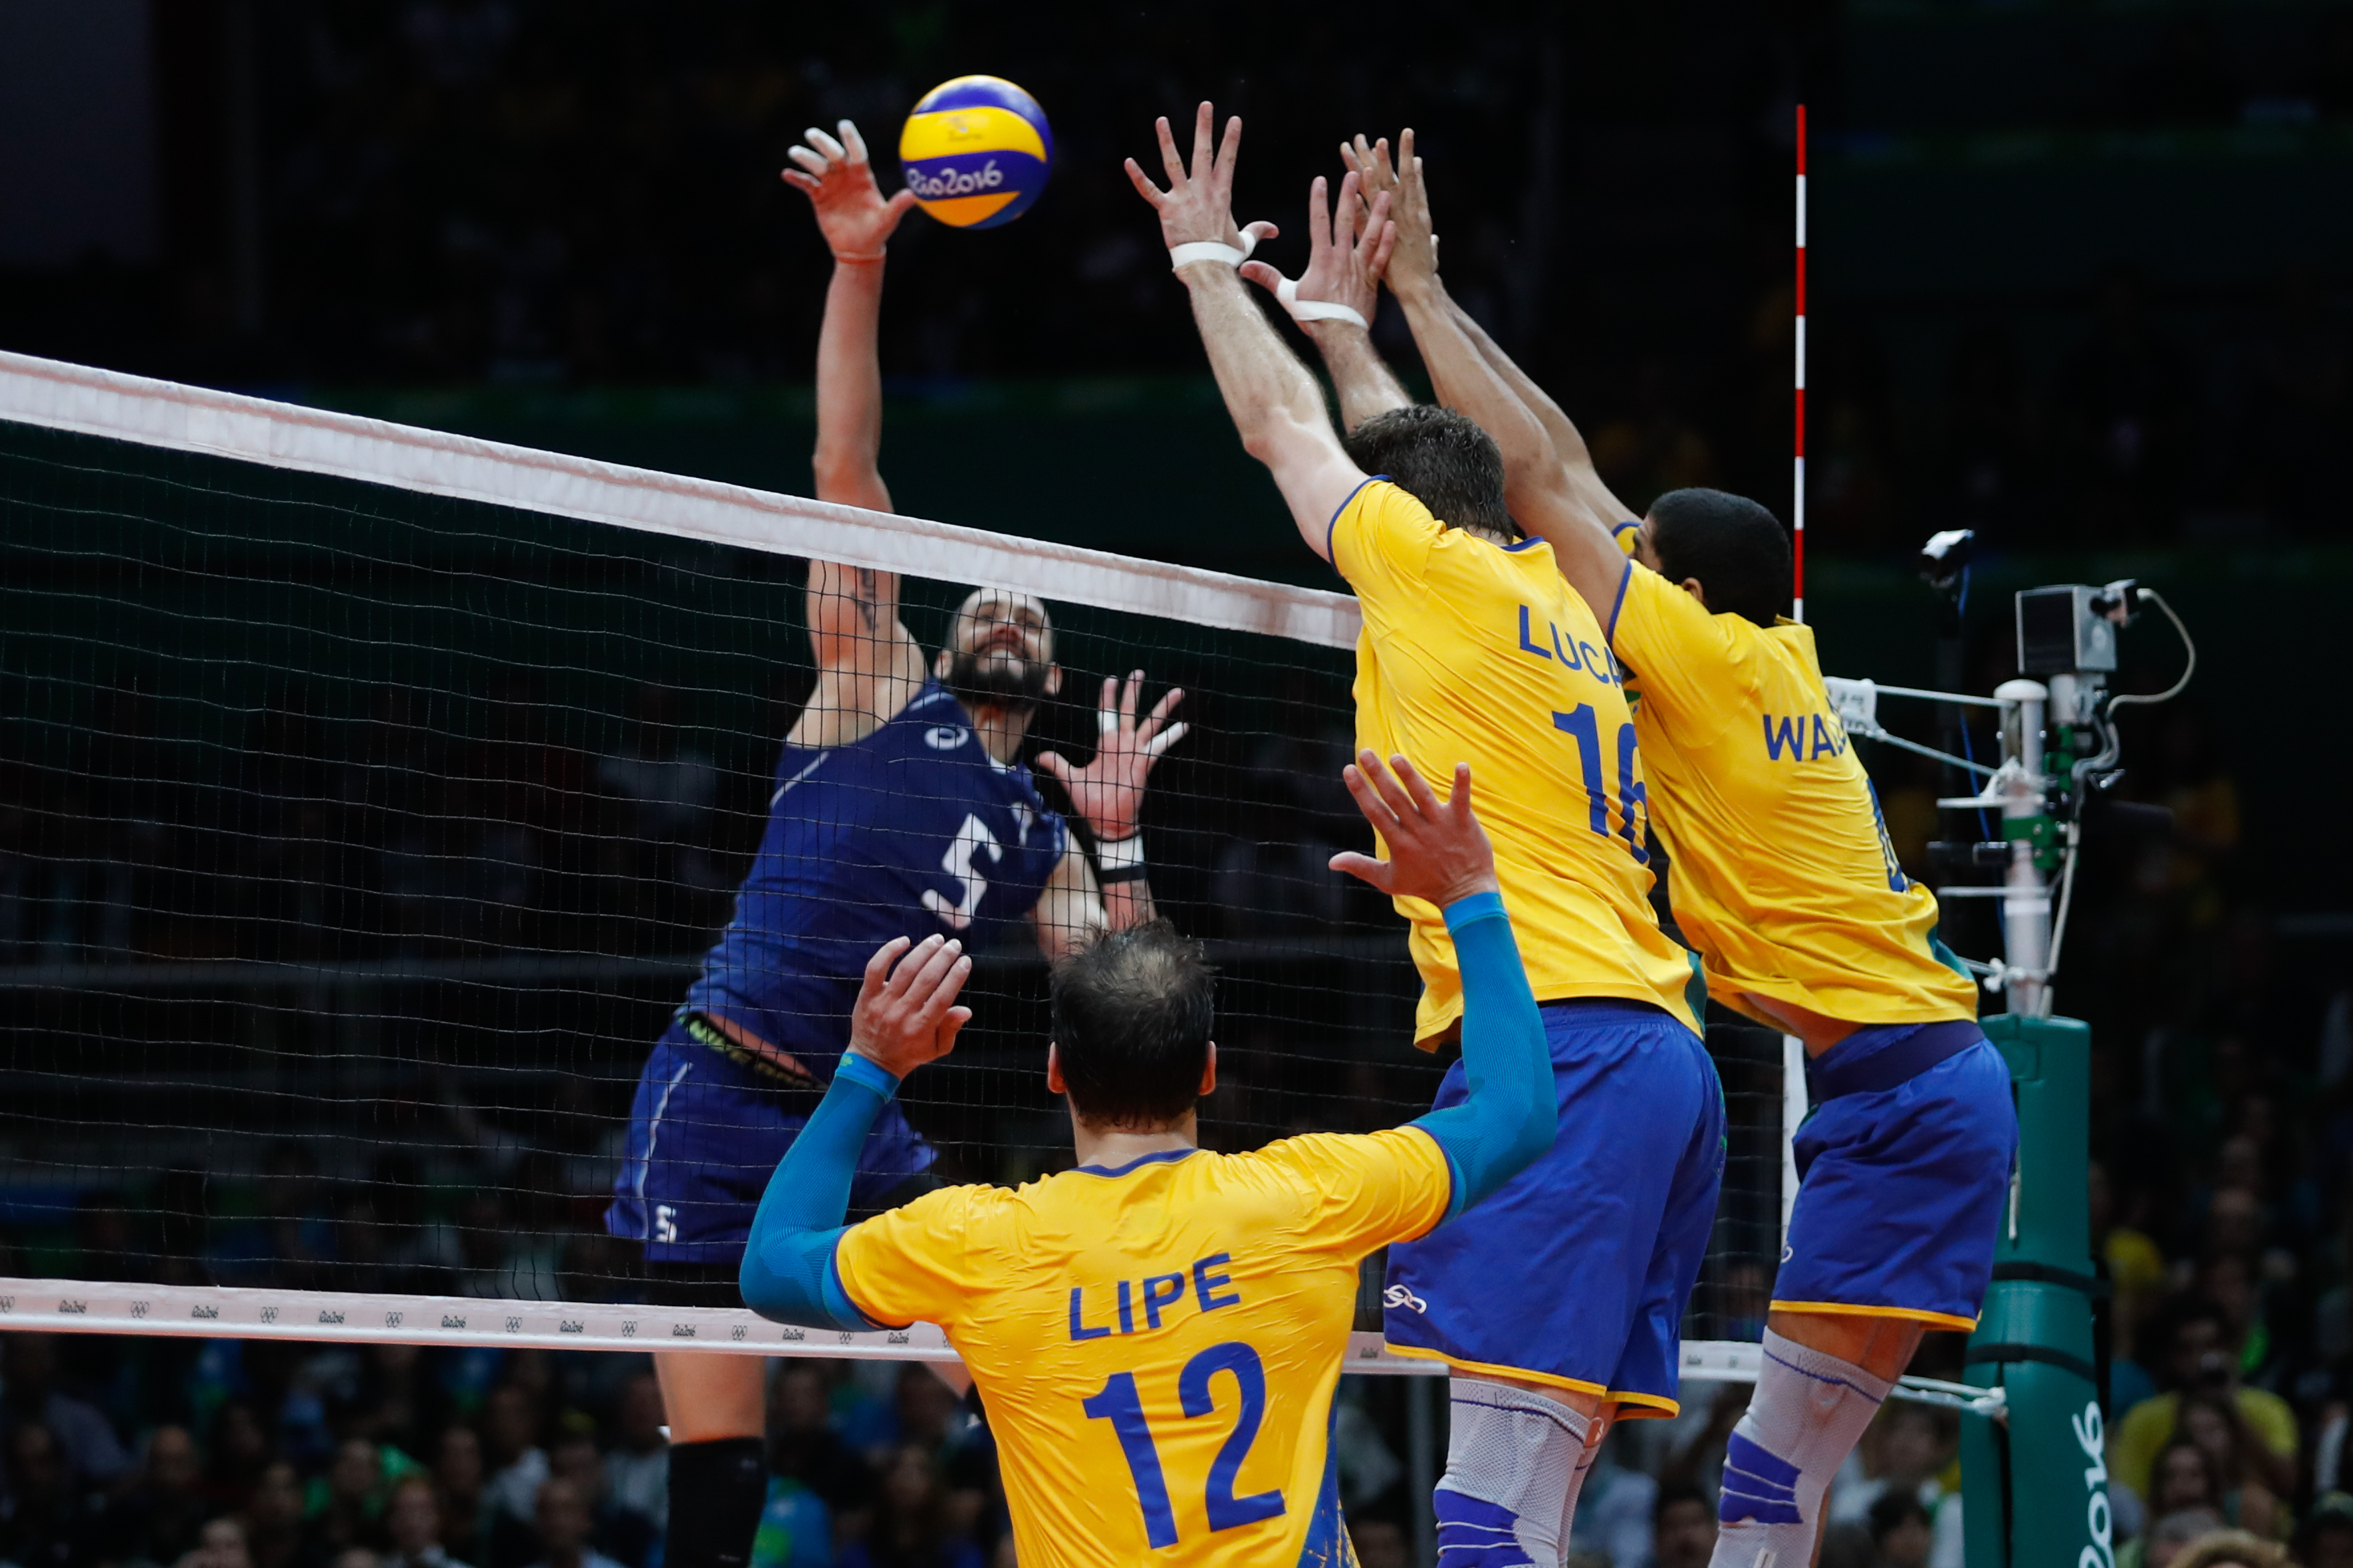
(1571, 653)
(1155, 1293)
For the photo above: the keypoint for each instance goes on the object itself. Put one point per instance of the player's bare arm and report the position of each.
(1108, 795)
(1275, 403)
(868, 667)
(1347, 249)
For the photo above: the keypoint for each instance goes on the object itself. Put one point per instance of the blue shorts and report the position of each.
(704, 1137)
(1902, 1177)
(1577, 1273)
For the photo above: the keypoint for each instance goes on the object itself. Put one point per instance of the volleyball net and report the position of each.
(370, 796)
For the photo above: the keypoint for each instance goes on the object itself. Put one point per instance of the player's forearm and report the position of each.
(1568, 442)
(1363, 379)
(1507, 1120)
(1264, 385)
(788, 1271)
(849, 389)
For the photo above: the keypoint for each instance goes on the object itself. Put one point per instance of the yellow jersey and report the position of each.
(1158, 1344)
(1782, 874)
(1475, 652)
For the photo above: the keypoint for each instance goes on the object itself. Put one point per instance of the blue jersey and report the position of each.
(914, 830)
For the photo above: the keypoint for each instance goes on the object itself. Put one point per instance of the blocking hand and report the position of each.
(1438, 851)
(1415, 257)
(1343, 264)
(852, 213)
(1198, 206)
(1108, 792)
(906, 1014)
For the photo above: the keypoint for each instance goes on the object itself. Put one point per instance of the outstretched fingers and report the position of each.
(1319, 216)
(1136, 177)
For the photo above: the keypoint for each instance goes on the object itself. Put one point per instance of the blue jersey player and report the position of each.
(900, 811)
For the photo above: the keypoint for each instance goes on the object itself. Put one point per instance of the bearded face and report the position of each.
(1000, 654)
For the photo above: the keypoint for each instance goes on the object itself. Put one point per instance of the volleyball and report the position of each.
(976, 151)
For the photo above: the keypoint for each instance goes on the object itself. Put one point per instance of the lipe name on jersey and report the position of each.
(1803, 737)
(1571, 653)
(1154, 1295)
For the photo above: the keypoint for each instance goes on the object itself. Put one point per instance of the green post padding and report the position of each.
(2034, 1488)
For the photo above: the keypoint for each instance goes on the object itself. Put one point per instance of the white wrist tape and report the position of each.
(1119, 854)
(1180, 256)
(1315, 309)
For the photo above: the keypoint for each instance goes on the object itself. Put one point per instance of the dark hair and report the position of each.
(1440, 458)
(1737, 549)
(1675, 1492)
(1132, 1012)
(1895, 1510)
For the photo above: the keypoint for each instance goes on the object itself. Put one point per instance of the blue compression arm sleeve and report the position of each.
(789, 1269)
(1509, 1120)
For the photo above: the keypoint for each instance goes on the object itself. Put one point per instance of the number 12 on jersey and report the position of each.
(1119, 1403)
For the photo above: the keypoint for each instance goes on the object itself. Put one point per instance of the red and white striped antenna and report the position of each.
(1797, 510)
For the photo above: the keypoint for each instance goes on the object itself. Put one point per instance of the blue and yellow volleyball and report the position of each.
(976, 151)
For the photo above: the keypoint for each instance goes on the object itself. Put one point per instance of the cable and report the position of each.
(2174, 691)
(1961, 616)
(2059, 924)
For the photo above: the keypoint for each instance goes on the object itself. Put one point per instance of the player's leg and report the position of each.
(1892, 1234)
(717, 1410)
(1516, 1454)
(1530, 1298)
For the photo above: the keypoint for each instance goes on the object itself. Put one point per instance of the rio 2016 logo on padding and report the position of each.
(2091, 1436)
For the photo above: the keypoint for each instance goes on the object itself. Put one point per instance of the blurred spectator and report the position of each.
(2186, 1479)
(2232, 1549)
(344, 1508)
(564, 1527)
(412, 1526)
(1614, 1508)
(161, 1519)
(273, 1517)
(1379, 1538)
(2214, 1425)
(92, 1454)
(795, 1529)
(239, 1452)
(2326, 1538)
(804, 1447)
(2200, 1358)
(1683, 1528)
(1902, 1531)
(637, 1467)
(518, 1472)
(458, 1476)
(1903, 1453)
(912, 1528)
(50, 1518)
(220, 1544)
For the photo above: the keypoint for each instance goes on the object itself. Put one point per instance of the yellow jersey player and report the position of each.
(1157, 1333)
(1559, 1304)
(1784, 878)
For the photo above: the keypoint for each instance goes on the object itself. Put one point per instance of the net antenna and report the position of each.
(199, 551)
(1797, 498)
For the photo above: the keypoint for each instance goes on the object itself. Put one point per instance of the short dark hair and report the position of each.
(1440, 458)
(1737, 549)
(1132, 1012)
(1676, 1492)
(1895, 1509)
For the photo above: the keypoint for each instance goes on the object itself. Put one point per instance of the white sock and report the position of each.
(1809, 1410)
(1512, 1459)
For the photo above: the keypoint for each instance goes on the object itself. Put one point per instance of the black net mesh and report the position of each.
(355, 846)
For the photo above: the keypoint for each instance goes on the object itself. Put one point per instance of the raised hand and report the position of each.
(1197, 207)
(1415, 258)
(1344, 266)
(1438, 851)
(906, 1014)
(853, 215)
(1108, 792)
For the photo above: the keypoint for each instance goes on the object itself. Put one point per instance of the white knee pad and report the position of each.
(1512, 1454)
(1808, 1411)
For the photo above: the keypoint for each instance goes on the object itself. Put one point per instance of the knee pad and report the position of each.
(1512, 1454)
(1802, 1421)
(717, 1491)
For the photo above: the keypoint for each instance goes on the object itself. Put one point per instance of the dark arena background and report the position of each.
(355, 844)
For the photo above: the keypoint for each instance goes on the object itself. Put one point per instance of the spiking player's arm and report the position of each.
(866, 663)
(1546, 493)
(1343, 268)
(906, 1014)
(1275, 403)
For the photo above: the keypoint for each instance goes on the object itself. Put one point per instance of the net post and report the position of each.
(1798, 503)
